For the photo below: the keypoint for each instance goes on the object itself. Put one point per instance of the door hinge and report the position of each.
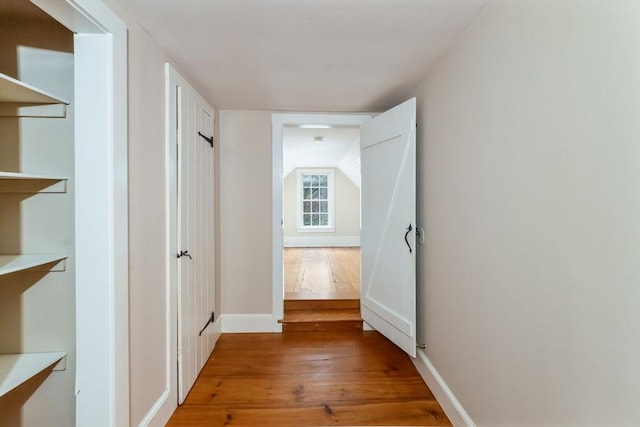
(211, 320)
(209, 139)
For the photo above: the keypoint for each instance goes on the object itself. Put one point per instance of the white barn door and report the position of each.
(195, 235)
(388, 290)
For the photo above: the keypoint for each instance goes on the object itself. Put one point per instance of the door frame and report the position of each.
(102, 255)
(278, 122)
(168, 401)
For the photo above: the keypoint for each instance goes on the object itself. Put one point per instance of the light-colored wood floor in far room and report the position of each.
(322, 273)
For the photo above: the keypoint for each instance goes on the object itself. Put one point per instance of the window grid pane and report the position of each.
(315, 202)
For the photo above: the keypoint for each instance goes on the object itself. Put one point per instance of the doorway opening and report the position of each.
(321, 212)
(316, 229)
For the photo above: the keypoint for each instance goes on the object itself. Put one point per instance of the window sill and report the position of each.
(316, 230)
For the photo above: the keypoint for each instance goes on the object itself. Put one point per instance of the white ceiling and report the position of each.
(340, 149)
(304, 55)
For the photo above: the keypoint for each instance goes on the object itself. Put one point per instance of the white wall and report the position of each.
(347, 214)
(147, 197)
(245, 212)
(529, 159)
(147, 299)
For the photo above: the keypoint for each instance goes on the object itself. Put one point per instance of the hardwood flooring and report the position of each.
(309, 379)
(322, 273)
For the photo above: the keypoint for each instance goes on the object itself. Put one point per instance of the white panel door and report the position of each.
(195, 237)
(388, 290)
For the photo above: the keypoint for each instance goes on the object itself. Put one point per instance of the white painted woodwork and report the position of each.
(15, 263)
(13, 109)
(15, 182)
(388, 293)
(331, 200)
(440, 389)
(195, 234)
(15, 369)
(102, 309)
(15, 91)
(28, 176)
(347, 212)
(36, 310)
(166, 403)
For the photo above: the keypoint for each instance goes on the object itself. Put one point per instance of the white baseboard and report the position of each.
(367, 327)
(246, 323)
(160, 412)
(166, 404)
(451, 406)
(320, 241)
(216, 328)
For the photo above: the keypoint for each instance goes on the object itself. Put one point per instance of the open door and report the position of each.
(388, 289)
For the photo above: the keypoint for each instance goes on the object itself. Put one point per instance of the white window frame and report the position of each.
(330, 228)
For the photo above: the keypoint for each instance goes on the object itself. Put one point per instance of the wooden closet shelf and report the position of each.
(14, 182)
(15, 369)
(15, 91)
(27, 176)
(14, 263)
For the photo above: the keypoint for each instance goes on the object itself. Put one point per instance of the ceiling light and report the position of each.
(311, 126)
(318, 140)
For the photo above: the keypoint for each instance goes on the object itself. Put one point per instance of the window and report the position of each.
(315, 200)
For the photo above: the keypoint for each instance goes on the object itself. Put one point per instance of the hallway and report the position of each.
(309, 379)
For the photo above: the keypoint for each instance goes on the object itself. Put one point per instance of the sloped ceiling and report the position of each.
(340, 149)
(304, 55)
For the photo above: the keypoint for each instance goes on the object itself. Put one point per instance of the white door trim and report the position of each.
(167, 401)
(278, 121)
(102, 273)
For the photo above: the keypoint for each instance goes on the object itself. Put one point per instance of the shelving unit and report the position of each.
(15, 369)
(18, 99)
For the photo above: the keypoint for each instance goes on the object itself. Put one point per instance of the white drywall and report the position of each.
(245, 212)
(529, 169)
(147, 239)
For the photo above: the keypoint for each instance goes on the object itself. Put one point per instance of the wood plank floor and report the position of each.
(322, 273)
(309, 379)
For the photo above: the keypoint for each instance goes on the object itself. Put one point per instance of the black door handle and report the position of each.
(184, 253)
(409, 229)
